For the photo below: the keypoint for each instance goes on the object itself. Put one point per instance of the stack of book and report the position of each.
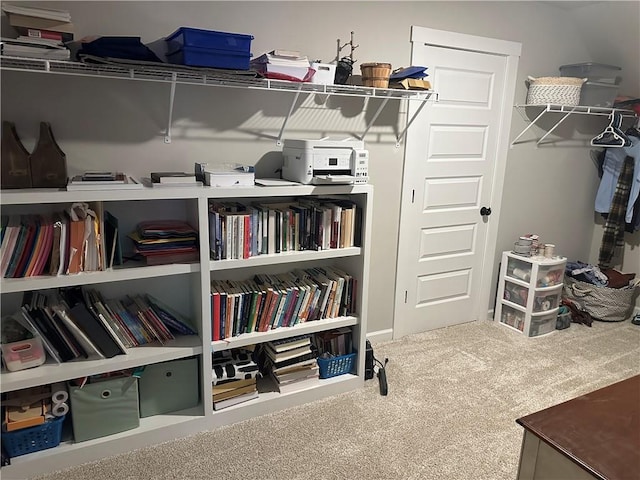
(172, 180)
(234, 377)
(42, 32)
(103, 181)
(166, 241)
(291, 363)
(283, 65)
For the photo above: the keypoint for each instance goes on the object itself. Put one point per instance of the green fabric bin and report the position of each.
(169, 387)
(104, 408)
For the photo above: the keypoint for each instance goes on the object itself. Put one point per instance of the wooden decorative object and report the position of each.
(48, 161)
(16, 172)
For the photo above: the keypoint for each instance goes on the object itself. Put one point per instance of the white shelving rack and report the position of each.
(185, 286)
(562, 113)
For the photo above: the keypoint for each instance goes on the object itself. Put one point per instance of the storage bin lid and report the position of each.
(591, 65)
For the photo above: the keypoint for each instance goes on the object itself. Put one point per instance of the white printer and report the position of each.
(325, 161)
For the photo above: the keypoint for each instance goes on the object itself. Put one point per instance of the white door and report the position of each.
(454, 164)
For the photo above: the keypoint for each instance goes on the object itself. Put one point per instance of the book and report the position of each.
(172, 177)
(147, 182)
(234, 392)
(232, 385)
(44, 34)
(297, 385)
(38, 12)
(288, 354)
(123, 182)
(235, 400)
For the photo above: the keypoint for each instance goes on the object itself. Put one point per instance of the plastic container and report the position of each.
(334, 366)
(23, 354)
(33, 439)
(210, 39)
(325, 73)
(598, 94)
(594, 72)
(205, 57)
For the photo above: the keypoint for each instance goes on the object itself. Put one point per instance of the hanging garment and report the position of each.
(614, 228)
(613, 160)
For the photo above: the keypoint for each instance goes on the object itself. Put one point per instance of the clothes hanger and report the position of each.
(612, 136)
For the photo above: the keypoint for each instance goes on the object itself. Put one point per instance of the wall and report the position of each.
(102, 122)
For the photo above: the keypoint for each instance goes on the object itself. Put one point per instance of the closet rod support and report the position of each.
(172, 95)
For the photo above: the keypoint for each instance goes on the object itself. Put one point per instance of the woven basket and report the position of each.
(602, 303)
(555, 90)
(375, 74)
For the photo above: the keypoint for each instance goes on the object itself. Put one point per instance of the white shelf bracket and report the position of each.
(555, 126)
(375, 115)
(404, 131)
(172, 94)
(284, 123)
(533, 122)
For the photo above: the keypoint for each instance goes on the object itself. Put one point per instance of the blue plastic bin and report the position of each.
(206, 57)
(33, 439)
(334, 366)
(210, 39)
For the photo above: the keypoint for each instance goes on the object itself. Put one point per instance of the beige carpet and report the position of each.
(454, 396)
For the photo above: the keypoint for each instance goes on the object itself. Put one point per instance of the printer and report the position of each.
(325, 161)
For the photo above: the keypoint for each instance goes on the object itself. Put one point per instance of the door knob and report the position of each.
(485, 211)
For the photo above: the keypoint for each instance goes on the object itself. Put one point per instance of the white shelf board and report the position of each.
(29, 196)
(136, 271)
(283, 332)
(284, 257)
(153, 429)
(181, 347)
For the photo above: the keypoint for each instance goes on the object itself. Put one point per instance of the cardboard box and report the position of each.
(411, 84)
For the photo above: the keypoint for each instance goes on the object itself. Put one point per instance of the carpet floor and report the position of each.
(454, 396)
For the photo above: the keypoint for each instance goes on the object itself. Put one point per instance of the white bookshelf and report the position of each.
(185, 287)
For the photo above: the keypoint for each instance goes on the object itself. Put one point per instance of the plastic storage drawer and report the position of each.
(512, 317)
(543, 324)
(209, 39)
(544, 301)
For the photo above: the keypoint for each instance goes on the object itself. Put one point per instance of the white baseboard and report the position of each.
(380, 335)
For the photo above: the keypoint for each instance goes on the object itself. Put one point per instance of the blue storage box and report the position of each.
(33, 439)
(208, 48)
(339, 365)
(207, 57)
(195, 37)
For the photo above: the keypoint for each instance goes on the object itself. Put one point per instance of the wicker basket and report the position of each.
(375, 74)
(602, 303)
(554, 90)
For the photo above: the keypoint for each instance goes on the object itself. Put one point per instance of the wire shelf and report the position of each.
(197, 76)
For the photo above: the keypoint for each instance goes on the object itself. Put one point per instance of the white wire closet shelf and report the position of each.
(176, 74)
(565, 111)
